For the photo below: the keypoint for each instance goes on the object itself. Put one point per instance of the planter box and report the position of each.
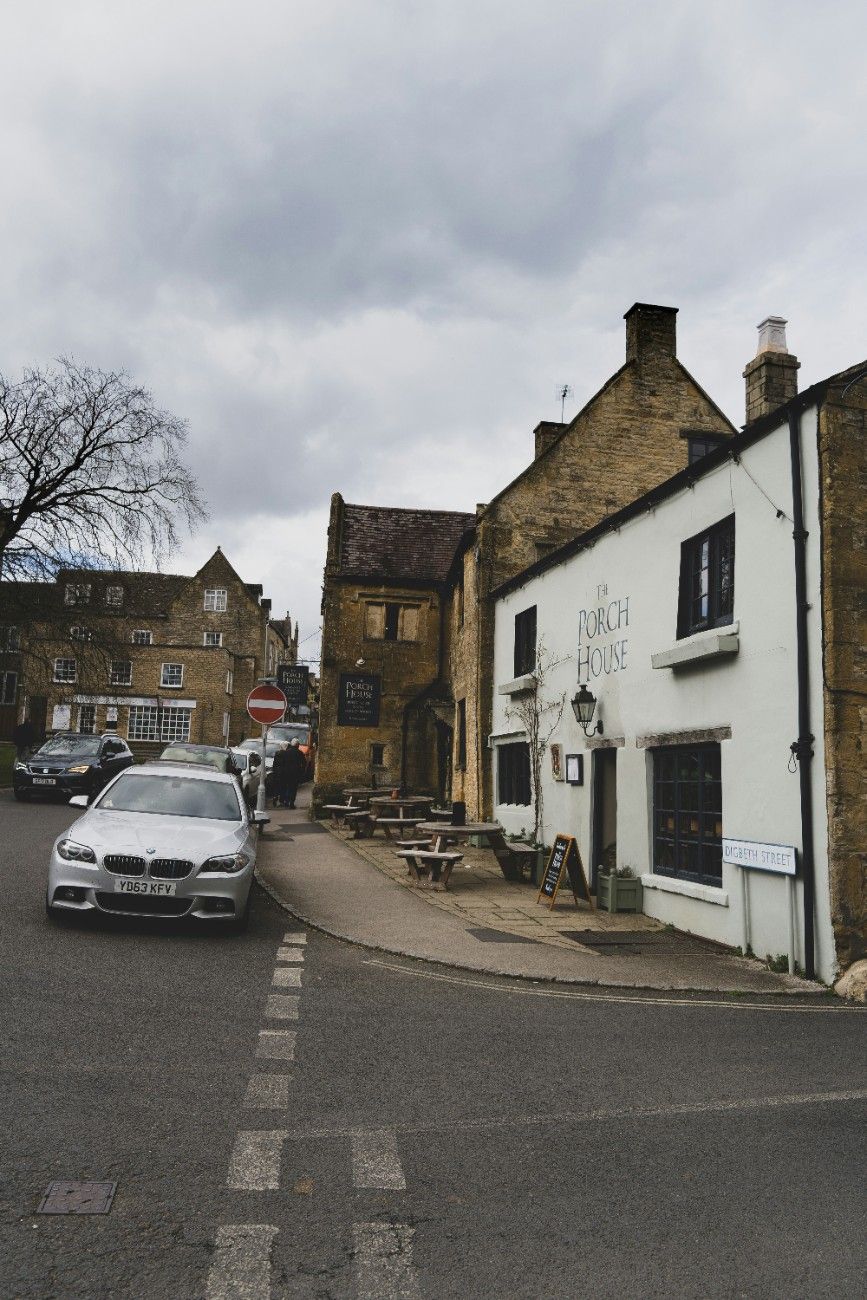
(620, 893)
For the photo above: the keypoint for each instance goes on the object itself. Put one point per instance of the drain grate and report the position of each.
(77, 1198)
(498, 936)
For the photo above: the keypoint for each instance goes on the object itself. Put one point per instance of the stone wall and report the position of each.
(842, 435)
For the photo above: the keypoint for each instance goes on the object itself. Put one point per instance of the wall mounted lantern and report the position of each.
(584, 706)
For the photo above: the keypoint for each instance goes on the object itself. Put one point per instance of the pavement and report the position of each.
(360, 891)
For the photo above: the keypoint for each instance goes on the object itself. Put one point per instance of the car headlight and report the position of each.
(74, 852)
(19, 766)
(228, 863)
(79, 767)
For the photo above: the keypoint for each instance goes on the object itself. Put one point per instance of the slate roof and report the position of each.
(402, 545)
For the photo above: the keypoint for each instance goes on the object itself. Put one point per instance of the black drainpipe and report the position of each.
(802, 748)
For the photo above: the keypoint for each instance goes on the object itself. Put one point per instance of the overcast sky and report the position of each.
(360, 245)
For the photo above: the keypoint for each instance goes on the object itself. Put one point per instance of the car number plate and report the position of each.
(159, 887)
(44, 780)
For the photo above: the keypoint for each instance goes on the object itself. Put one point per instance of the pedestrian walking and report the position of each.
(280, 778)
(296, 766)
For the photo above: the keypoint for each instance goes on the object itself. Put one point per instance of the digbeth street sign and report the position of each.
(292, 680)
(266, 704)
(780, 858)
(358, 700)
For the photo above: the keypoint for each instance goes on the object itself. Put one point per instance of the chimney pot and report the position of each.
(772, 335)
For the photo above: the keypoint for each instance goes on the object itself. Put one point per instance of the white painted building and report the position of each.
(679, 616)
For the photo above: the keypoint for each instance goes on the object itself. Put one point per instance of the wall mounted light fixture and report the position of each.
(584, 706)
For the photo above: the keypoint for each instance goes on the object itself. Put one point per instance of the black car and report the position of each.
(71, 762)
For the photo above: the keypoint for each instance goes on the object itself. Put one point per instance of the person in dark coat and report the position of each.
(280, 778)
(296, 765)
(24, 735)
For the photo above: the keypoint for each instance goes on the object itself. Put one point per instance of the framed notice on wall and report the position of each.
(575, 769)
(358, 700)
(557, 762)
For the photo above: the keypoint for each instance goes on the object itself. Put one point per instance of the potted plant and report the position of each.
(619, 889)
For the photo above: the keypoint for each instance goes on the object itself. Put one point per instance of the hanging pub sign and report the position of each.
(565, 860)
(358, 700)
(292, 680)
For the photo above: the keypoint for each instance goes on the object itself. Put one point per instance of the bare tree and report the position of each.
(90, 473)
(539, 717)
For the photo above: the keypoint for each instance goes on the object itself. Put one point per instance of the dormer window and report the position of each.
(114, 596)
(76, 593)
(215, 599)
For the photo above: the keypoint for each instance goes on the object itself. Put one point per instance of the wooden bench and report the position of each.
(413, 844)
(419, 860)
(360, 822)
(396, 823)
(339, 810)
(525, 859)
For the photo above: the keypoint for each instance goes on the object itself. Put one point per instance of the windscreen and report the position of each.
(181, 754)
(172, 797)
(288, 733)
(67, 746)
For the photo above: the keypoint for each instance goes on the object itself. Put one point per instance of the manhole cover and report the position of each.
(498, 936)
(77, 1198)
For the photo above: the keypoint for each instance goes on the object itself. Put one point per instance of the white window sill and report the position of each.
(668, 885)
(716, 643)
(518, 686)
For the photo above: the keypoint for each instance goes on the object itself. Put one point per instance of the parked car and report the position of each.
(161, 840)
(249, 764)
(211, 755)
(303, 732)
(71, 762)
(255, 747)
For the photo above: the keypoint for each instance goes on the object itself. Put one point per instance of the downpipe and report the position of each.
(802, 748)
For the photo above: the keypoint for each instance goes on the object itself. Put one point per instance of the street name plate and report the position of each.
(779, 858)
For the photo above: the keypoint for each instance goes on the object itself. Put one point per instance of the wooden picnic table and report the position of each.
(405, 805)
(442, 832)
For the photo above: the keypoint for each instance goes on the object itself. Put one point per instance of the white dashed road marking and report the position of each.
(383, 1261)
(295, 936)
(255, 1162)
(295, 955)
(242, 1262)
(286, 977)
(376, 1162)
(281, 1007)
(268, 1091)
(276, 1044)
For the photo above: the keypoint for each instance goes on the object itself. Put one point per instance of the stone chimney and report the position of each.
(651, 333)
(772, 375)
(546, 432)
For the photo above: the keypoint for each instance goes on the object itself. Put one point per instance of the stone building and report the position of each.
(382, 645)
(718, 622)
(648, 420)
(158, 657)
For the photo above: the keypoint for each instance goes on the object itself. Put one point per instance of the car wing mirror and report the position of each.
(79, 801)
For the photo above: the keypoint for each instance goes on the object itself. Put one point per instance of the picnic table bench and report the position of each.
(339, 811)
(439, 864)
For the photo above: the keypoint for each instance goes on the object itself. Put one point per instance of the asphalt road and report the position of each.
(421, 1133)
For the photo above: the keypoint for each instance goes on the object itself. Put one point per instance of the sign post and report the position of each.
(565, 860)
(266, 704)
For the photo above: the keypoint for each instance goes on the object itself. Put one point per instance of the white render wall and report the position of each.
(753, 692)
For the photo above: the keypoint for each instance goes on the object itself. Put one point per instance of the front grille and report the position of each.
(123, 864)
(170, 869)
(143, 905)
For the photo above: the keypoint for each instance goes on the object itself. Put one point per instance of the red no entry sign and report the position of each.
(266, 704)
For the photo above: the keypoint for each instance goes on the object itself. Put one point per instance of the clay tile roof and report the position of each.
(417, 545)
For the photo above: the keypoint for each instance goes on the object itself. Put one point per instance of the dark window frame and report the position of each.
(706, 594)
(525, 642)
(701, 444)
(513, 774)
(687, 814)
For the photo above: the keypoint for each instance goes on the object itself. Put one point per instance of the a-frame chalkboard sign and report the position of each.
(565, 858)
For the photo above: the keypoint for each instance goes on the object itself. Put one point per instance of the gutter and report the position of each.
(802, 748)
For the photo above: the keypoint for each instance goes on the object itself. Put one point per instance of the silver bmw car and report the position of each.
(161, 840)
